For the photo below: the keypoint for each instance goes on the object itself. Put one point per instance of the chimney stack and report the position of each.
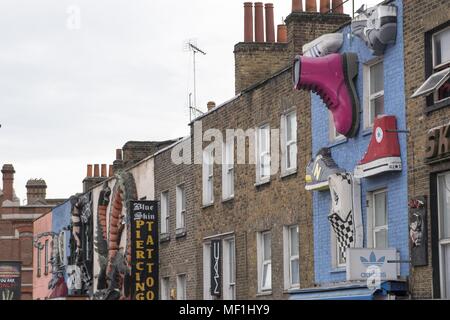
(270, 25)
(248, 22)
(311, 5)
(211, 105)
(8, 182)
(96, 170)
(282, 33)
(297, 6)
(259, 22)
(324, 6)
(338, 7)
(36, 191)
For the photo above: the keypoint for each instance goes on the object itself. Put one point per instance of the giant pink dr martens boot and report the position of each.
(332, 78)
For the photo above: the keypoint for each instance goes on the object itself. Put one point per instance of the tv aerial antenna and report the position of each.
(191, 46)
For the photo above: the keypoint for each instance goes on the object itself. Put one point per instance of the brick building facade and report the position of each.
(174, 190)
(427, 47)
(253, 225)
(16, 224)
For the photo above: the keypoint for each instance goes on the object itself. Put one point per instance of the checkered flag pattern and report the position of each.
(345, 232)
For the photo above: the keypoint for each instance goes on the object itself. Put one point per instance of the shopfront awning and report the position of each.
(350, 292)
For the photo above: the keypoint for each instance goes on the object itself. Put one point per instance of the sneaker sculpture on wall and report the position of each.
(324, 45)
(383, 154)
(320, 169)
(377, 27)
(332, 78)
(345, 216)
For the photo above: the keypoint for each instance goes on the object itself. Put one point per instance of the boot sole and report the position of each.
(350, 66)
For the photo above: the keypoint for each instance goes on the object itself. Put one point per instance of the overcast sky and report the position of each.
(70, 94)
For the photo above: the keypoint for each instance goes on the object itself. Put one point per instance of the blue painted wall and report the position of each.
(349, 153)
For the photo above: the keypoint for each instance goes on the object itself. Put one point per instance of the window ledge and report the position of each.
(180, 233)
(164, 237)
(337, 142)
(367, 132)
(205, 206)
(229, 199)
(437, 106)
(291, 290)
(261, 183)
(264, 293)
(288, 173)
(339, 270)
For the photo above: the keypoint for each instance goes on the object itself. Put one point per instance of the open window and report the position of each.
(437, 86)
(438, 82)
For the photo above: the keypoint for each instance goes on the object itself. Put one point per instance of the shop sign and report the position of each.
(216, 272)
(370, 264)
(10, 280)
(438, 143)
(144, 250)
(418, 231)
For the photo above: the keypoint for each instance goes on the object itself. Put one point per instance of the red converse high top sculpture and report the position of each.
(383, 154)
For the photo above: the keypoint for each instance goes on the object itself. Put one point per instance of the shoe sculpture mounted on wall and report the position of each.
(332, 78)
(320, 169)
(345, 216)
(324, 45)
(377, 27)
(383, 154)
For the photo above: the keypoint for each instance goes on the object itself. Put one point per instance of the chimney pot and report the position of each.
(270, 25)
(324, 6)
(104, 172)
(111, 170)
(96, 170)
(119, 154)
(248, 22)
(297, 6)
(89, 171)
(259, 22)
(211, 105)
(338, 7)
(282, 33)
(311, 5)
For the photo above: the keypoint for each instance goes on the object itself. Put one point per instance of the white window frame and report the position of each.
(228, 169)
(371, 229)
(369, 97)
(439, 66)
(208, 177)
(165, 212)
(262, 154)
(443, 242)
(229, 269)
(165, 288)
(336, 263)
(289, 258)
(39, 260)
(334, 136)
(262, 262)
(207, 271)
(181, 206)
(46, 255)
(181, 286)
(286, 144)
